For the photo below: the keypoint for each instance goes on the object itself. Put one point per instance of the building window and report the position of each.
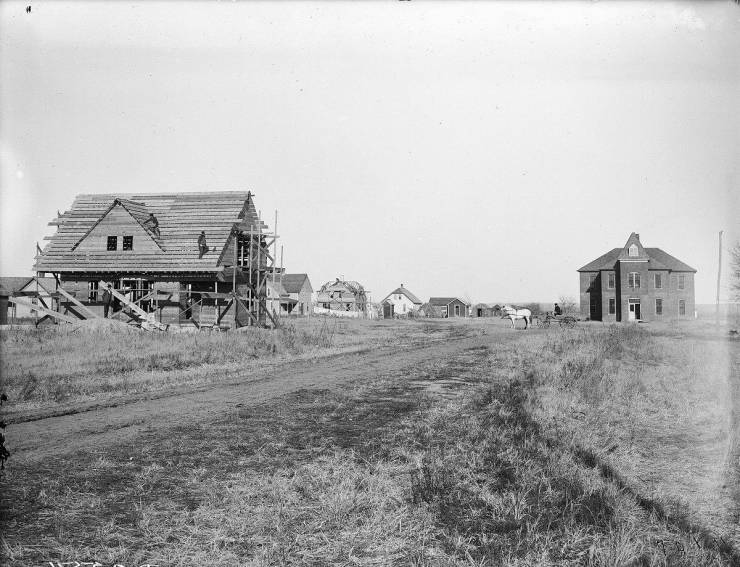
(658, 306)
(112, 243)
(591, 281)
(612, 306)
(610, 280)
(682, 307)
(634, 251)
(634, 280)
(658, 281)
(681, 281)
(92, 291)
(128, 242)
(404, 308)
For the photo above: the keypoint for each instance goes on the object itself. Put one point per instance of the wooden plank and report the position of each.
(147, 317)
(78, 303)
(44, 310)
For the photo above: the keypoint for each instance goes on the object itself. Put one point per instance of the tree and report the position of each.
(735, 271)
(567, 303)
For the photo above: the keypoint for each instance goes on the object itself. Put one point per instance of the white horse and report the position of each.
(510, 313)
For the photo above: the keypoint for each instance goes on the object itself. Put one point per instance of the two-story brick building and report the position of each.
(634, 283)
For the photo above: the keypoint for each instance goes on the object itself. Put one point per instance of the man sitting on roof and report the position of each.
(152, 224)
(557, 311)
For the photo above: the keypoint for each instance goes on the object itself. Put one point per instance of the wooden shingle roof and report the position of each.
(293, 283)
(181, 216)
(402, 290)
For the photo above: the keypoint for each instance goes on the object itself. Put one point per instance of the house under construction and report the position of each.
(202, 259)
(341, 296)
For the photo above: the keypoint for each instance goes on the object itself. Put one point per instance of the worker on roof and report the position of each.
(202, 246)
(152, 224)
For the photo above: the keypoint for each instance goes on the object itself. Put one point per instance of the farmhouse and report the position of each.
(446, 307)
(299, 289)
(342, 297)
(172, 258)
(635, 283)
(400, 302)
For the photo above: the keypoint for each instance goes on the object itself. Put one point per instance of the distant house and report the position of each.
(446, 307)
(634, 283)
(26, 288)
(342, 297)
(299, 288)
(486, 310)
(400, 302)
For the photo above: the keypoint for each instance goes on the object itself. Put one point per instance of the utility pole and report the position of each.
(719, 277)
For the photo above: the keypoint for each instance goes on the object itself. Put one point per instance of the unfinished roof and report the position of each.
(293, 283)
(181, 218)
(407, 293)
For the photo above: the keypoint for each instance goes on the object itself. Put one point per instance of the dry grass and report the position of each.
(515, 470)
(48, 367)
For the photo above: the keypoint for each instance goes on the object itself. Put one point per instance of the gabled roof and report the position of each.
(657, 260)
(9, 284)
(405, 292)
(137, 211)
(442, 301)
(181, 216)
(293, 283)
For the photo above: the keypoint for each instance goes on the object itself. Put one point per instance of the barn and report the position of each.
(170, 258)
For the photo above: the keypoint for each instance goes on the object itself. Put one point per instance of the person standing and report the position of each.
(107, 300)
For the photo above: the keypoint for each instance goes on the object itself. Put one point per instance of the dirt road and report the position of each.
(54, 437)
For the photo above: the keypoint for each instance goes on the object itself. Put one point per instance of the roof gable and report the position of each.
(442, 301)
(181, 217)
(633, 250)
(403, 291)
(293, 283)
(122, 216)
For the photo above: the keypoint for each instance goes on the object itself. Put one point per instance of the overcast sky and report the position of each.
(475, 149)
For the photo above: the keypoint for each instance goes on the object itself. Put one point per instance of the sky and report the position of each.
(474, 149)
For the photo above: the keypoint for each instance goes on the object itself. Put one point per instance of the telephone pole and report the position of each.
(719, 277)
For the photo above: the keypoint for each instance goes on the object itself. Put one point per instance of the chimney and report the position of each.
(401, 285)
(637, 236)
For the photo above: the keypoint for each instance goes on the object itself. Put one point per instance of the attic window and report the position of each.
(634, 251)
(112, 243)
(128, 242)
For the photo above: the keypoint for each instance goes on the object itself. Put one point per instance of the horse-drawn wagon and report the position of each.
(545, 321)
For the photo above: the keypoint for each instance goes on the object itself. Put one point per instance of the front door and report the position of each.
(634, 310)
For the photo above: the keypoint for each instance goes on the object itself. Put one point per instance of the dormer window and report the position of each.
(634, 251)
(128, 242)
(112, 243)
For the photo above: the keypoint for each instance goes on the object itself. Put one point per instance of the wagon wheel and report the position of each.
(569, 322)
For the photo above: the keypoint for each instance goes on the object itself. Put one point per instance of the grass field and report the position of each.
(606, 445)
(51, 367)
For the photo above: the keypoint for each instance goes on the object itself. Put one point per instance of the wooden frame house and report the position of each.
(171, 258)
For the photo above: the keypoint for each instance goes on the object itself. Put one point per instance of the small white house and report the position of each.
(400, 302)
